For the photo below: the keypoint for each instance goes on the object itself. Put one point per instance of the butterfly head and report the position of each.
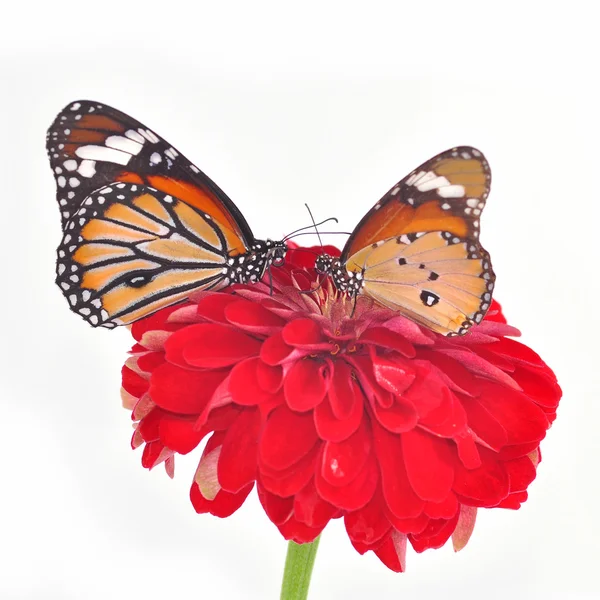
(324, 264)
(276, 252)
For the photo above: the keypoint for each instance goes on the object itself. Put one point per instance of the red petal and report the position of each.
(133, 383)
(224, 503)
(155, 322)
(298, 532)
(392, 553)
(290, 481)
(343, 461)
(429, 465)
(237, 461)
(311, 509)
(303, 333)
(464, 527)
(149, 361)
(286, 438)
(274, 350)
(212, 307)
(516, 351)
(269, 378)
(369, 524)
(182, 391)
(485, 486)
(332, 429)
(397, 490)
(381, 336)
(342, 391)
(395, 376)
(442, 510)
(400, 417)
(540, 386)
(459, 378)
(253, 317)
(179, 434)
(522, 420)
(521, 472)
(435, 535)
(278, 509)
(354, 495)
(244, 385)
(414, 525)
(485, 426)
(305, 384)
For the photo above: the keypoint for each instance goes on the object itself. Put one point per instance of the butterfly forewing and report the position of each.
(130, 250)
(91, 145)
(446, 193)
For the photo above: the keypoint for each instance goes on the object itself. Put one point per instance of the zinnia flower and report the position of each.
(331, 413)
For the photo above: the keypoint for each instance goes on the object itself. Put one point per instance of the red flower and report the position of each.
(402, 432)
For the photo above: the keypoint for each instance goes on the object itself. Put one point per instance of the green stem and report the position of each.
(298, 569)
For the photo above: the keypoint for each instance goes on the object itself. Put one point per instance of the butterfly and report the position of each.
(143, 228)
(417, 250)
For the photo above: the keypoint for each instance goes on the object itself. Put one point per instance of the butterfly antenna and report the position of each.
(293, 233)
(313, 220)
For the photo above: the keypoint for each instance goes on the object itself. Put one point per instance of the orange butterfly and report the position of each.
(417, 250)
(143, 227)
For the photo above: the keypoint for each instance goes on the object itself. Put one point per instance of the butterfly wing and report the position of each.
(131, 250)
(418, 248)
(91, 145)
(446, 193)
(435, 278)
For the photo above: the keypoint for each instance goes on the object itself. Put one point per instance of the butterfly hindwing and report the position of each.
(91, 145)
(131, 249)
(446, 193)
(435, 278)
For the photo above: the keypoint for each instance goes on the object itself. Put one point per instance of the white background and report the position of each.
(282, 104)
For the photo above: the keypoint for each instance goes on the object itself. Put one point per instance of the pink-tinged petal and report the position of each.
(343, 461)
(464, 527)
(342, 391)
(253, 317)
(223, 505)
(286, 438)
(155, 339)
(458, 378)
(479, 366)
(369, 524)
(186, 314)
(429, 465)
(392, 553)
(290, 481)
(410, 331)
(150, 361)
(311, 509)
(212, 307)
(278, 509)
(332, 429)
(485, 486)
(356, 494)
(483, 424)
(396, 376)
(523, 420)
(435, 535)
(275, 351)
(142, 407)
(237, 462)
(304, 333)
(182, 391)
(521, 472)
(442, 510)
(397, 489)
(305, 384)
(270, 379)
(517, 451)
(497, 360)
(384, 337)
(244, 385)
(298, 532)
(153, 454)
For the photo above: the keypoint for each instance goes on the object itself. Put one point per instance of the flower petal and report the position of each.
(464, 527)
(290, 481)
(305, 384)
(332, 429)
(304, 333)
(311, 509)
(278, 509)
(369, 524)
(253, 317)
(223, 505)
(392, 553)
(384, 337)
(244, 384)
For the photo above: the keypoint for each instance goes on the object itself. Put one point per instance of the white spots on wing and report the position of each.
(81, 222)
(106, 190)
(65, 286)
(66, 214)
(431, 182)
(155, 158)
(77, 117)
(61, 146)
(85, 311)
(124, 144)
(404, 239)
(411, 201)
(67, 131)
(171, 153)
(468, 211)
(135, 136)
(71, 195)
(476, 212)
(102, 153)
(465, 155)
(58, 170)
(74, 278)
(87, 168)
(451, 191)
(415, 177)
(120, 186)
(61, 253)
(94, 319)
(61, 268)
(148, 135)
(63, 202)
(76, 106)
(475, 152)
(395, 190)
(97, 303)
(445, 206)
(105, 315)
(168, 199)
(70, 165)
(472, 202)
(61, 181)
(74, 182)
(195, 168)
(73, 299)
(377, 206)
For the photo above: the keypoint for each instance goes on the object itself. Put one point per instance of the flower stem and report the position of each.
(298, 569)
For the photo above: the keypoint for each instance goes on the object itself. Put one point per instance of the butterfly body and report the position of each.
(417, 250)
(143, 228)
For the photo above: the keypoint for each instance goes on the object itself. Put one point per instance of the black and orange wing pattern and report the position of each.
(417, 249)
(142, 226)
